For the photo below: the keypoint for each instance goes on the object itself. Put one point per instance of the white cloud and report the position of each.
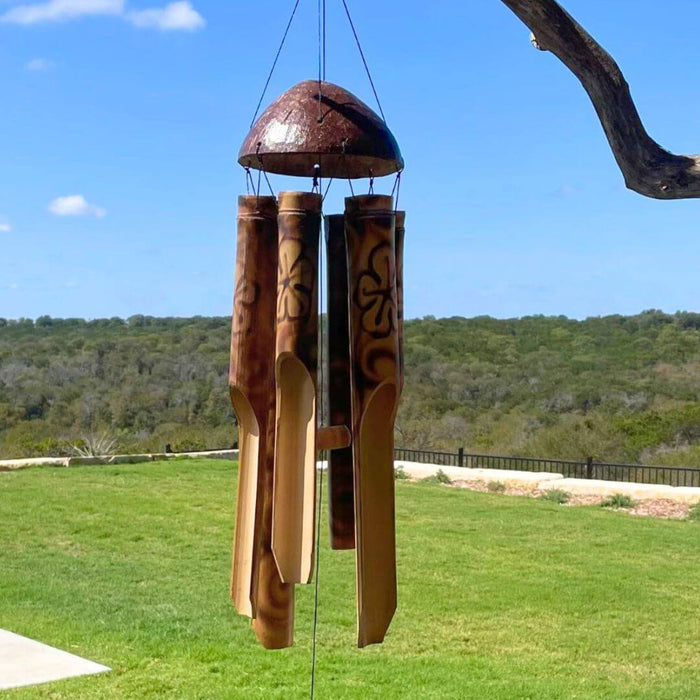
(176, 16)
(61, 11)
(38, 64)
(5, 228)
(75, 205)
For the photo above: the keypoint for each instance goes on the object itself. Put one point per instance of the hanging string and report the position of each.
(269, 186)
(320, 43)
(274, 63)
(364, 60)
(324, 40)
(352, 191)
(325, 194)
(397, 189)
(262, 170)
(316, 187)
(321, 413)
(318, 561)
(321, 9)
(249, 181)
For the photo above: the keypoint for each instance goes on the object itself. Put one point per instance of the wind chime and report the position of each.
(316, 130)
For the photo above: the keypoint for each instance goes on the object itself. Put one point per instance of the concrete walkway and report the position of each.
(26, 662)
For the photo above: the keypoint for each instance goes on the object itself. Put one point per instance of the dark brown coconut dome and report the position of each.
(337, 131)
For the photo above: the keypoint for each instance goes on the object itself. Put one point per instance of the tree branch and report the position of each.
(647, 168)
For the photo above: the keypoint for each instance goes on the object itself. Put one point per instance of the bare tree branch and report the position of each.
(647, 168)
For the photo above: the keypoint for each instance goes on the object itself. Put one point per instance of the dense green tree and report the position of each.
(615, 387)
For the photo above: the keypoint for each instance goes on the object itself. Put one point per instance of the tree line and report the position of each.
(621, 388)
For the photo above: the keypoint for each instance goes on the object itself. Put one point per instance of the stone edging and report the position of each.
(12, 464)
(541, 481)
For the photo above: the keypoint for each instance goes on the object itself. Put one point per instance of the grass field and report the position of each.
(499, 597)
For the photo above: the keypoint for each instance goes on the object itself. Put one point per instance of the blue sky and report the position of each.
(120, 121)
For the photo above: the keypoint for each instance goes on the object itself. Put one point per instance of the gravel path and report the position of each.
(656, 507)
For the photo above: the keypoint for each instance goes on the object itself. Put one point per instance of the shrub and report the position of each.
(618, 500)
(442, 478)
(694, 513)
(95, 445)
(400, 474)
(556, 496)
(496, 486)
(189, 445)
(438, 478)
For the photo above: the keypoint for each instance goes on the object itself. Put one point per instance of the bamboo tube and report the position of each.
(256, 588)
(294, 495)
(340, 490)
(274, 618)
(251, 380)
(369, 230)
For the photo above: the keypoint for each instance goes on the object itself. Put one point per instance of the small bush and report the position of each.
(95, 445)
(400, 474)
(438, 478)
(442, 478)
(556, 496)
(694, 513)
(189, 445)
(618, 500)
(496, 486)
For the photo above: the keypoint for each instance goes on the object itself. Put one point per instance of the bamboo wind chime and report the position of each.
(316, 129)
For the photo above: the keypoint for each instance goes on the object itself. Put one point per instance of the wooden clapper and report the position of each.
(274, 370)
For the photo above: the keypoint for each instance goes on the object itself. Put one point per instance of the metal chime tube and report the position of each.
(340, 479)
(374, 343)
(256, 588)
(296, 360)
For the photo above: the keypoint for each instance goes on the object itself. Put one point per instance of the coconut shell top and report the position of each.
(330, 127)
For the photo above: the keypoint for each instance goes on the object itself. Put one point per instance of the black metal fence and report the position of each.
(588, 469)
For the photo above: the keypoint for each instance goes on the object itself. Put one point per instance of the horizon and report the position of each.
(427, 317)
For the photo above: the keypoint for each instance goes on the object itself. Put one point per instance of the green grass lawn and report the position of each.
(499, 597)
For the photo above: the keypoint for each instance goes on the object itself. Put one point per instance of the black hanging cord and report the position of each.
(269, 186)
(364, 60)
(397, 189)
(261, 169)
(274, 63)
(319, 511)
(318, 184)
(328, 186)
(324, 39)
(249, 181)
(320, 43)
(316, 187)
(321, 8)
(318, 561)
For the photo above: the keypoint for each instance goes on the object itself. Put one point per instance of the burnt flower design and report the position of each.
(246, 296)
(296, 282)
(375, 293)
